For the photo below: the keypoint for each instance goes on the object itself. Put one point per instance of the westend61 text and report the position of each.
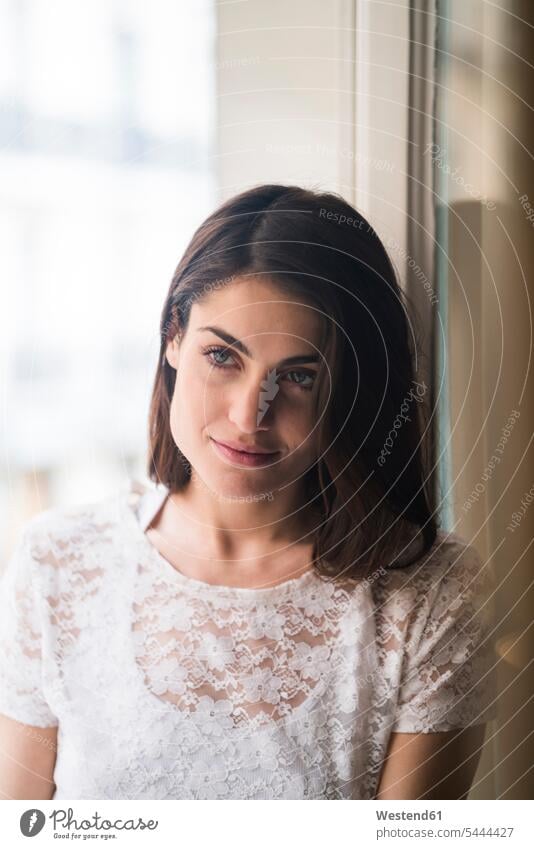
(408, 815)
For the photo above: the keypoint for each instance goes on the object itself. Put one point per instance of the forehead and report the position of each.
(256, 306)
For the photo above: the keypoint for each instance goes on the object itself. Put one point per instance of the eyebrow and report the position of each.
(236, 343)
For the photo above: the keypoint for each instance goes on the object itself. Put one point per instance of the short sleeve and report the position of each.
(448, 676)
(21, 639)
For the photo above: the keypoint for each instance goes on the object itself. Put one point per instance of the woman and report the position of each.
(278, 616)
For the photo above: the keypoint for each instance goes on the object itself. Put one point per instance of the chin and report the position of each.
(237, 483)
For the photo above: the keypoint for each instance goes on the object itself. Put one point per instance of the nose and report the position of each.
(250, 406)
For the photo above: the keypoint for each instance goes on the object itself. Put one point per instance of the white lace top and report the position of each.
(166, 687)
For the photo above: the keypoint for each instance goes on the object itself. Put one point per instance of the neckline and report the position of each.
(142, 505)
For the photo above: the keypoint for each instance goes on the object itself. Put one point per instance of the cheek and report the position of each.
(176, 421)
(308, 432)
(204, 400)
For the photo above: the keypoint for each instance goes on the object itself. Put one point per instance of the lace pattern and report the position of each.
(167, 687)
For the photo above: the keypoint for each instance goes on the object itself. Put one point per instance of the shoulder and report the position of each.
(448, 576)
(450, 557)
(70, 539)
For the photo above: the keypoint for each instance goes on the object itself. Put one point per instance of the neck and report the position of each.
(249, 525)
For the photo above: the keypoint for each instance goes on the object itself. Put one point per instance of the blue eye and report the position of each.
(215, 352)
(303, 374)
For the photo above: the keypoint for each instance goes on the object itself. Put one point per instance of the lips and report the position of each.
(245, 458)
(236, 446)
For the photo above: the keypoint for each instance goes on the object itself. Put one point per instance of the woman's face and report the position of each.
(233, 386)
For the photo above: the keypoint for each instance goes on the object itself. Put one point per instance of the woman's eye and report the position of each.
(218, 355)
(217, 352)
(302, 374)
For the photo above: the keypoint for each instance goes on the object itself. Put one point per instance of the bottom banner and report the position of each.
(265, 824)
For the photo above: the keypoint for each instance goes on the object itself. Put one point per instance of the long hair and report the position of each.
(370, 480)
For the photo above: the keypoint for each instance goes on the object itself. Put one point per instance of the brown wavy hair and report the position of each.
(375, 503)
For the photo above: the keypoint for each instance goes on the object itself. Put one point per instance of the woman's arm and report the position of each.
(439, 765)
(27, 760)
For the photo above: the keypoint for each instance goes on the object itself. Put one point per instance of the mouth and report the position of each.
(245, 458)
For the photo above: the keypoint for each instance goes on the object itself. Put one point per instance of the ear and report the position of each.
(172, 352)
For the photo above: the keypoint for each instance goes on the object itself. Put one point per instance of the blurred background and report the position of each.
(107, 118)
(123, 124)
